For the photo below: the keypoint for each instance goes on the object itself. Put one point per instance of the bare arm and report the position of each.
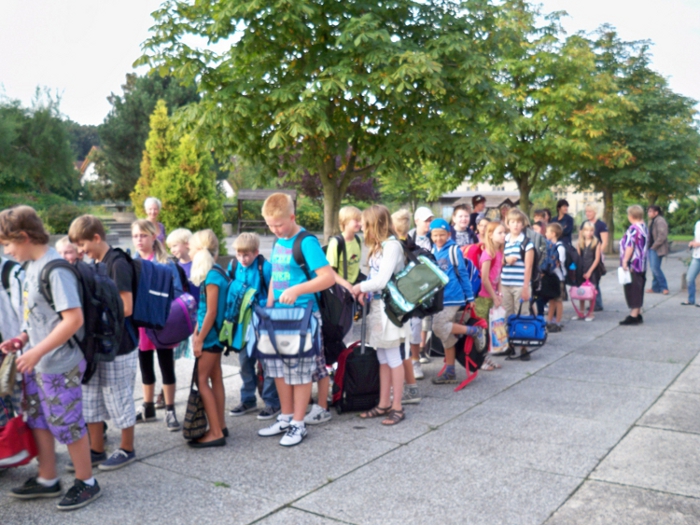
(529, 258)
(604, 238)
(128, 301)
(324, 279)
(209, 319)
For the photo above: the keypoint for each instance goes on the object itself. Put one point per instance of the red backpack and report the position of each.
(473, 253)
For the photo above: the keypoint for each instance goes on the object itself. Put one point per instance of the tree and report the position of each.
(306, 82)
(82, 138)
(125, 129)
(414, 183)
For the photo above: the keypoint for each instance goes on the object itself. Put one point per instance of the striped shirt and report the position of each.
(514, 274)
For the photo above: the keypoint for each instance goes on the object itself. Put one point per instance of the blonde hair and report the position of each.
(401, 220)
(377, 227)
(489, 245)
(278, 205)
(206, 247)
(636, 212)
(514, 214)
(247, 243)
(556, 228)
(588, 225)
(178, 236)
(63, 241)
(348, 213)
(148, 227)
(22, 220)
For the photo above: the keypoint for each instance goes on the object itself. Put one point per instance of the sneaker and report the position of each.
(79, 495)
(479, 340)
(524, 355)
(171, 422)
(317, 415)
(411, 395)
(278, 427)
(146, 413)
(241, 409)
(423, 356)
(553, 328)
(631, 321)
(119, 458)
(268, 413)
(577, 318)
(32, 489)
(294, 436)
(160, 401)
(95, 458)
(589, 318)
(445, 378)
(417, 370)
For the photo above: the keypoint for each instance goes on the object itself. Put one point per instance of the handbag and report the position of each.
(526, 330)
(624, 276)
(8, 374)
(286, 333)
(585, 292)
(195, 424)
(179, 325)
(17, 445)
(498, 331)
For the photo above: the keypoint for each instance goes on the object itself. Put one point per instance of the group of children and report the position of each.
(53, 365)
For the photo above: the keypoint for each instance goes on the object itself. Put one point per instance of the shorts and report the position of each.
(109, 395)
(298, 371)
(214, 349)
(55, 403)
(442, 325)
(415, 330)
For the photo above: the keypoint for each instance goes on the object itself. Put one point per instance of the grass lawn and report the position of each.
(685, 238)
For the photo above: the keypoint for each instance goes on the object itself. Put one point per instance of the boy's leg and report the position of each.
(286, 395)
(560, 310)
(300, 400)
(324, 386)
(249, 379)
(46, 457)
(80, 456)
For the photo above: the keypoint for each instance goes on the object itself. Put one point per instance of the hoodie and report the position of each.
(458, 291)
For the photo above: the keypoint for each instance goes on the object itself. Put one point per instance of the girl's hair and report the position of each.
(206, 248)
(377, 227)
(152, 200)
(401, 220)
(22, 219)
(636, 212)
(148, 227)
(459, 207)
(582, 240)
(178, 236)
(489, 245)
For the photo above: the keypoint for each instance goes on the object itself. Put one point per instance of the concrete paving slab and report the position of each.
(292, 515)
(655, 459)
(689, 380)
(674, 411)
(597, 503)
(636, 346)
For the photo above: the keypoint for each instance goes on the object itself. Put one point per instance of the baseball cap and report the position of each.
(439, 224)
(423, 214)
(476, 199)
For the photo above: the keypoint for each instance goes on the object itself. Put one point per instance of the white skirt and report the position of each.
(382, 332)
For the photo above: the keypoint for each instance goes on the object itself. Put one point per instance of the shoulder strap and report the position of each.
(342, 247)
(232, 267)
(218, 269)
(523, 246)
(45, 282)
(261, 264)
(7, 269)
(455, 261)
(298, 254)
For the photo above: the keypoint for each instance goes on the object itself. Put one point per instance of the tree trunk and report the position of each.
(608, 216)
(524, 188)
(332, 196)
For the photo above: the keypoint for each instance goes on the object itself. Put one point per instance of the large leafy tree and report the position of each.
(125, 129)
(415, 182)
(295, 85)
(82, 138)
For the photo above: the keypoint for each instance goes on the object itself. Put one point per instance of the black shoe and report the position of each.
(631, 321)
(641, 319)
(225, 432)
(147, 412)
(510, 351)
(32, 489)
(207, 444)
(525, 356)
(598, 309)
(95, 458)
(79, 495)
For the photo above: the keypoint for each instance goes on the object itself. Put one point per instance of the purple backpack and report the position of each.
(180, 324)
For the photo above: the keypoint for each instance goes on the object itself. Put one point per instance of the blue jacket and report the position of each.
(250, 276)
(458, 291)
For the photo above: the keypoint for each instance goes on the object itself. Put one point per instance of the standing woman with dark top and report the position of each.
(565, 220)
(479, 207)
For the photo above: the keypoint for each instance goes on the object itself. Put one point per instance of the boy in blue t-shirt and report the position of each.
(290, 287)
(253, 270)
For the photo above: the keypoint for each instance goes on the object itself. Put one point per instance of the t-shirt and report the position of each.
(635, 236)
(514, 274)
(213, 277)
(567, 226)
(40, 319)
(250, 276)
(423, 241)
(121, 272)
(561, 253)
(696, 251)
(494, 272)
(598, 228)
(335, 258)
(287, 273)
(194, 290)
(464, 238)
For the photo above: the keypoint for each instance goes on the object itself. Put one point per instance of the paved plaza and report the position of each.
(602, 426)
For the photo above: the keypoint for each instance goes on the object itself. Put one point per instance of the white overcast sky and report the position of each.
(84, 48)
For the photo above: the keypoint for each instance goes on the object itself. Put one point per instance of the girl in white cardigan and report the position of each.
(386, 258)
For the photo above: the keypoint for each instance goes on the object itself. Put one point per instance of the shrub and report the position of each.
(57, 219)
(310, 217)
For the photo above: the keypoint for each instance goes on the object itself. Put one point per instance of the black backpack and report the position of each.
(342, 248)
(103, 310)
(573, 267)
(539, 251)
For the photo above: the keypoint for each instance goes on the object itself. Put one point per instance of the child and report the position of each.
(145, 238)
(458, 295)
(247, 248)
(517, 270)
(538, 227)
(53, 367)
(479, 206)
(290, 287)
(490, 265)
(109, 394)
(67, 249)
(462, 234)
(590, 251)
(11, 310)
(349, 218)
(401, 220)
(420, 237)
(178, 244)
(204, 250)
(386, 258)
(481, 228)
(556, 306)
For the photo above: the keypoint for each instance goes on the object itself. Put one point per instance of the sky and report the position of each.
(83, 49)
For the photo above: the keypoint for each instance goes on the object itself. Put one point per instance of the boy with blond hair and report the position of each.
(178, 243)
(67, 250)
(290, 287)
(251, 268)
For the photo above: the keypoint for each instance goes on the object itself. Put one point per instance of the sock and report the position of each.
(90, 482)
(299, 424)
(285, 417)
(472, 330)
(95, 452)
(450, 369)
(170, 408)
(46, 482)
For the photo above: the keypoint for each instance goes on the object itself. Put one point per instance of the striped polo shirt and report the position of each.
(514, 274)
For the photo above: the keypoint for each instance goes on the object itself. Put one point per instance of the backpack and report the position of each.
(342, 248)
(550, 260)
(103, 310)
(260, 260)
(539, 247)
(11, 300)
(573, 267)
(473, 253)
(473, 273)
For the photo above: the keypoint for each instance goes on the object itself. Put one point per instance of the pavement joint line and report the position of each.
(678, 431)
(289, 506)
(657, 491)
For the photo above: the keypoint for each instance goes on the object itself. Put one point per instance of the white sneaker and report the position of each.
(417, 370)
(317, 415)
(294, 436)
(577, 318)
(278, 427)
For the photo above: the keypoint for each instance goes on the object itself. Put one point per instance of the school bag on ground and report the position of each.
(573, 267)
(498, 330)
(527, 330)
(356, 380)
(17, 445)
(103, 310)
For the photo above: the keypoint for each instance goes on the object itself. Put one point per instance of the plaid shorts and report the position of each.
(55, 403)
(110, 392)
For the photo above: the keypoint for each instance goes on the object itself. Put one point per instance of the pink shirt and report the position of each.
(494, 273)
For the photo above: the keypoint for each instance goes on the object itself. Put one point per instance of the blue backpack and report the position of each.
(550, 260)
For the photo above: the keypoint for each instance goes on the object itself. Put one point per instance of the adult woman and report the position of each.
(152, 206)
(633, 247)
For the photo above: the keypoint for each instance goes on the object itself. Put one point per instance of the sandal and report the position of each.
(394, 417)
(375, 412)
(489, 365)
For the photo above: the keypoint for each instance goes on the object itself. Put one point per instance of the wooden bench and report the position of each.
(256, 195)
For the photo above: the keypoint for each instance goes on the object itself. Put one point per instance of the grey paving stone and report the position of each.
(689, 380)
(655, 459)
(289, 515)
(597, 503)
(618, 343)
(614, 371)
(674, 411)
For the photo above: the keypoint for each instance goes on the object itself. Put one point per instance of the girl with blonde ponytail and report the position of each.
(212, 280)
